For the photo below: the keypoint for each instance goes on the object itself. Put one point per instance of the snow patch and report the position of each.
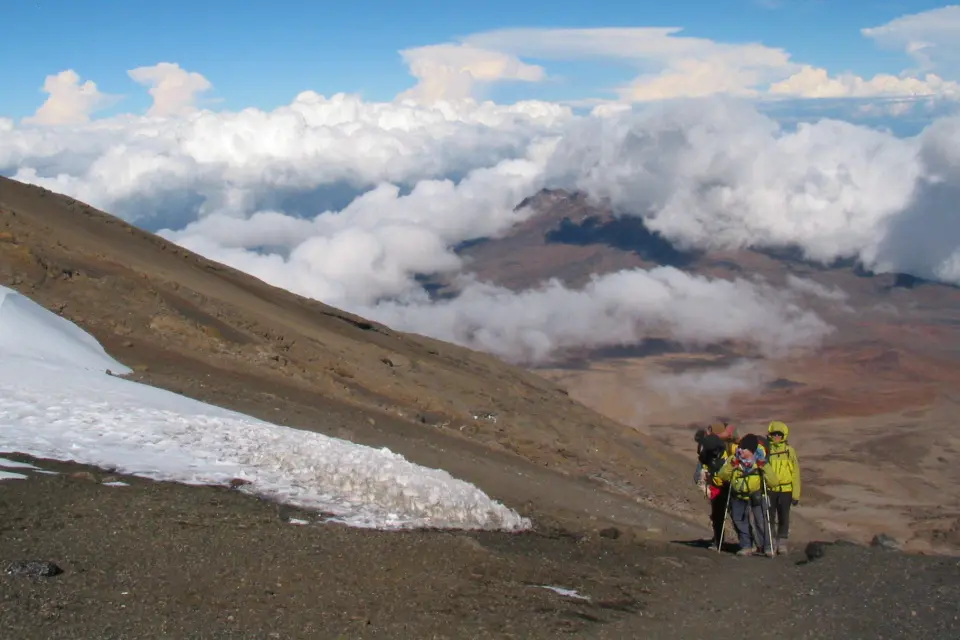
(13, 464)
(116, 483)
(569, 593)
(28, 331)
(9, 475)
(298, 521)
(55, 407)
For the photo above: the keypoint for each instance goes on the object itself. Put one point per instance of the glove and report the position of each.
(761, 462)
(796, 503)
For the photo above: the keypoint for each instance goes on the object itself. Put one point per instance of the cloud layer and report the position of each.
(249, 189)
(723, 176)
(616, 309)
(673, 65)
(350, 202)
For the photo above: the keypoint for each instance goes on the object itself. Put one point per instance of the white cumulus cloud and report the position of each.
(174, 89)
(674, 65)
(812, 82)
(721, 175)
(931, 38)
(69, 100)
(314, 154)
(350, 202)
(615, 309)
(454, 71)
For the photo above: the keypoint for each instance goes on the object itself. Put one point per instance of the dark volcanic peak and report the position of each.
(625, 234)
(542, 247)
(794, 256)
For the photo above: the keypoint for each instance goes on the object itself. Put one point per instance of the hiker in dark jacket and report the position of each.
(749, 477)
(711, 455)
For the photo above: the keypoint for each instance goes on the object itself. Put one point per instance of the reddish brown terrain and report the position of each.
(871, 411)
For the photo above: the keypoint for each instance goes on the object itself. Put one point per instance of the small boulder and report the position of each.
(84, 475)
(884, 541)
(846, 542)
(430, 418)
(610, 532)
(238, 482)
(395, 360)
(815, 550)
(33, 569)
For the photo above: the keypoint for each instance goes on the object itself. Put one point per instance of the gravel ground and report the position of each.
(160, 560)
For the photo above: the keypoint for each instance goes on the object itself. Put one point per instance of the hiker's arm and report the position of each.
(771, 477)
(725, 473)
(796, 473)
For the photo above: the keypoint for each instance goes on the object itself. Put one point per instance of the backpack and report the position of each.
(765, 443)
(710, 452)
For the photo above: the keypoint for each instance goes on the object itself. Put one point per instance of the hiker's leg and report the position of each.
(783, 514)
(741, 521)
(775, 497)
(718, 514)
(761, 515)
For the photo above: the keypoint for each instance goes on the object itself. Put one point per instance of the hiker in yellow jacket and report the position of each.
(783, 458)
(749, 478)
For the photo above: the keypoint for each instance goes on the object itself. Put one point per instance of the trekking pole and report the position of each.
(766, 513)
(726, 509)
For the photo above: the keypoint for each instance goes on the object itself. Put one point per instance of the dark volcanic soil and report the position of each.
(160, 560)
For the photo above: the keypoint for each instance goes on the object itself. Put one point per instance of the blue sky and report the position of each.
(263, 54)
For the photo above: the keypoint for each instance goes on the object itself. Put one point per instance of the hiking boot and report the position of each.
(770, 553)
(782, 548)
(746, 551)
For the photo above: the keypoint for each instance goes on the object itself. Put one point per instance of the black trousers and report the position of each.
(780, 503)
(718, 512)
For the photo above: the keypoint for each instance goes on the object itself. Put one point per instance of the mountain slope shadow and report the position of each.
(626, 233)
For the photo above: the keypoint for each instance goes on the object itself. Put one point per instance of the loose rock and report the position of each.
(33, 569)
(884, 541)
(815, 550)
(610, 532)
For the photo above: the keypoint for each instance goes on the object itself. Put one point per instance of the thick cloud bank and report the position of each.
(729, 177)
(616, 309)
(348, 202)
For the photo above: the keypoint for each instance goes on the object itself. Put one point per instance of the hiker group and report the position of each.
(756, 479)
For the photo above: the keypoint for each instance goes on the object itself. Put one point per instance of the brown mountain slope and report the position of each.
(208, 331)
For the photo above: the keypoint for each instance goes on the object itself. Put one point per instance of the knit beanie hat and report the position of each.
(749, 442)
